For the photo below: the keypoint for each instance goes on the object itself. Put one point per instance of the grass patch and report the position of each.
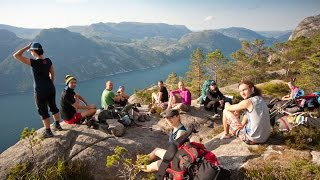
(300, 137)
(298, 169)
(217, 130)
(260, 149)
(58, 171)
(274, 89)
(145, 95)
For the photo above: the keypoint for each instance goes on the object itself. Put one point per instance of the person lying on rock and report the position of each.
(45, 91)
(70, 104)
(178, 129)
(109, 98)
(180, 99)
(214, 99)
(123, 97)
(255, 126)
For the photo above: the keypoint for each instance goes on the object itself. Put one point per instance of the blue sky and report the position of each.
(195, 14)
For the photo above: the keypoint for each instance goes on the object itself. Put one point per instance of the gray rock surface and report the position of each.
(315, 157)
(308, 27)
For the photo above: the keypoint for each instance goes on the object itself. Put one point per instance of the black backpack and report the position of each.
(190, 160)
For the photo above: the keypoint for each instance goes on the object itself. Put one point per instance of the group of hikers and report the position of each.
(253, 128)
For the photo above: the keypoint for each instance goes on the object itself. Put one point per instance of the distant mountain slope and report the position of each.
(274, 34)
(206, 40)
(241, 33)
(125, 31)
(8, 43)
(307, 27)
(75, 54)
(24, 33)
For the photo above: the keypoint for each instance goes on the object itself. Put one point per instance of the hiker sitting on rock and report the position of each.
(255, 126)
(180, 99)
(214, 99)
(123, 97)
(70, 104)
(45, 91)
(161, 96)
(293, 90)
(173, 119)
(109, 98)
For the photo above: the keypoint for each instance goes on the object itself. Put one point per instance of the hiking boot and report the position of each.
(47, 133)
(57, 126)
(92, 123)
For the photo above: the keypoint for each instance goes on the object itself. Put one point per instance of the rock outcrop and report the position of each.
(308, 27)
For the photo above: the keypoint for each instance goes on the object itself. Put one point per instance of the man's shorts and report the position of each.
(75, 119)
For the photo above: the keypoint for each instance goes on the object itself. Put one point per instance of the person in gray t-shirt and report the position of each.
(255, 126)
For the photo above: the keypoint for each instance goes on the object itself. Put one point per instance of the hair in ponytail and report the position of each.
(256, 91)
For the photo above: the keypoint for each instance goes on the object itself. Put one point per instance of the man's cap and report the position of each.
(68, 78)
(213, 83)
(35, 46)
(171, 113)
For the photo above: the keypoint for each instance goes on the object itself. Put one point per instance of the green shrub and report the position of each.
(300, 137)
(298, 169)
(127, 168)
(61, 170)
(33, 141)
(145, 95)
(275, 89)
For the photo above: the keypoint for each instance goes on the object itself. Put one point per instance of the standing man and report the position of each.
(70, 103)
(45, 92)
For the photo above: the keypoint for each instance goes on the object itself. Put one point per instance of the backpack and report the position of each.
(190, 160)
(204, 89)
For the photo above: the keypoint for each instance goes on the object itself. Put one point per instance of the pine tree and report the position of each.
(172, 81)
(196, 73)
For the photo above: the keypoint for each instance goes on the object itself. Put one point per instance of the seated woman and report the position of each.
(180, 98)
(255, 126)
(70, 104)
(173, 119)
(214, 99)
(123, 97)
(293, 90)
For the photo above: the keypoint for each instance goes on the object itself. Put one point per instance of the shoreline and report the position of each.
(97, 77)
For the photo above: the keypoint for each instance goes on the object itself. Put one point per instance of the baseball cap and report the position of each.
(35, 46)
(171, 113)
(213, 83)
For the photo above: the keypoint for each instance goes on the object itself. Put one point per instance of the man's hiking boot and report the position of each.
(92, 123)
(57, 126)
(47, 133)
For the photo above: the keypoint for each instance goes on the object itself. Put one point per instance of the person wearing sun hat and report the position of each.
(70, 103)
(45, 92)
(123, 97)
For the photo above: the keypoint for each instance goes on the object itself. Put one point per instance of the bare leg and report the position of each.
(225, 122)
(172, 101)
(89, 112)
(46, 123)
(154, 98)
(56, 117)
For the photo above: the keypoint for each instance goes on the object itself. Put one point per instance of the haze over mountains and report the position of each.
(108, 48)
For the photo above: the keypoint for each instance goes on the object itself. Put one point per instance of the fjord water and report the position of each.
(19, 111)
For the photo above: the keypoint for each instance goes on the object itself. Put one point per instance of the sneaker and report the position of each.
(215, 116)
(47, 134)
(225, 136)
(57, 127)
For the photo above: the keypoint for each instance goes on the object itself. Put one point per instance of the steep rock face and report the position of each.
(308, 27)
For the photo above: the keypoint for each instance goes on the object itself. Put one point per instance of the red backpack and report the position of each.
(190, 160)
